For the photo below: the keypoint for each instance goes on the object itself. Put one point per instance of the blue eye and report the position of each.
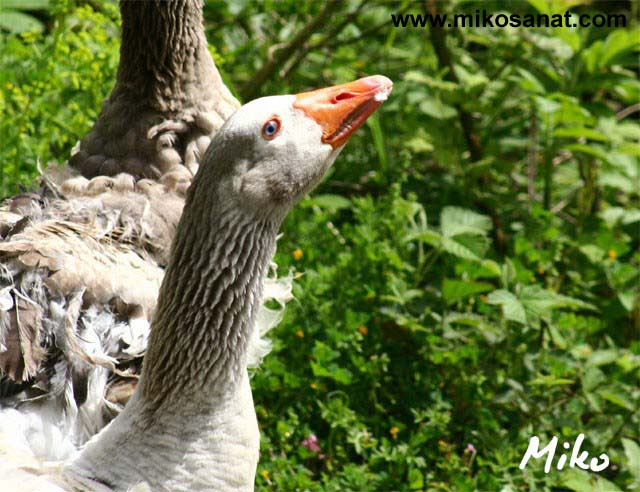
(271, 128)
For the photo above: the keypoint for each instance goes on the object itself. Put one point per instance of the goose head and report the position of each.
(274, 150)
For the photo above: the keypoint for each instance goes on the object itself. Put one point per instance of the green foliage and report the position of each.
(448, 292)
(52, 87)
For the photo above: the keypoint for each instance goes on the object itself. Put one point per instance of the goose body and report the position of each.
(190, 424)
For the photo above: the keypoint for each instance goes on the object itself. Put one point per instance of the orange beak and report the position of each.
(342, 109)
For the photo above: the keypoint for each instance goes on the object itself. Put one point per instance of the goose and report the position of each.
(82, 259)
(190, 424)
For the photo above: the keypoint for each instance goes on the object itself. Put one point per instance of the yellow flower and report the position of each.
(394, 432)
(265, 474)
(540, 270)
(9, 85)
(313, 386)
(613, 254)
(363, 329)
(300, 334)
(297, 254)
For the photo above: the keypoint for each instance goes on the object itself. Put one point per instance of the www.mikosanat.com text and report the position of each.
(482, 18)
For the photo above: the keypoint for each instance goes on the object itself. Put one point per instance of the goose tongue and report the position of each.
(342, 109)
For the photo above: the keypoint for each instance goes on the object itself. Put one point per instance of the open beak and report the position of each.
(342, 109)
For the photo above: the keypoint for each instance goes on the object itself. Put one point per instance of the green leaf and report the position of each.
(555, 46)
(627, 299)
(632, 452)
(548, 380)
(332, 371)
(512, 308)
(557, 337)
(471, 80)
(437, 109)
(580, 132)
(617, 397)
(529, 82)
(420, 142)
(631, 149)
(478, 245)
(378, 142)
(422, 78)
(24, 4)
(588, 150)
(454, 247)
(17, 22)
(329, 202)
(582, 481)
(593, 253)
(570, 36)
(491, 267)
(617, 44)
(546, 105)
(604, 485)
(631, 216)
(467, 319)
(603, 357)
(617, 181)
(416, 481)
(612, 216)
(455, 290)
(592, 378)
(428, 236)
(577, 480)
(542, 6)
(538, 300)
(342, 375)
(456, 220)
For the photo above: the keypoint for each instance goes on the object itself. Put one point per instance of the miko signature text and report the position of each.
(575, 458)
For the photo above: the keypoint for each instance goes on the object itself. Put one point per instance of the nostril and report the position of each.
(343, 96)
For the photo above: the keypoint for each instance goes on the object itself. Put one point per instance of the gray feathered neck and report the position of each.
(209, 297)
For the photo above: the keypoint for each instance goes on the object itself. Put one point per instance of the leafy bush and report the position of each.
(52, 87)
(468, 275)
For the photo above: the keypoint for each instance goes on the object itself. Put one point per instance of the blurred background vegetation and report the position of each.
(467, 276)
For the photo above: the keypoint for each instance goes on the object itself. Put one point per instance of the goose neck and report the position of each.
(164, 60)
(207, 304)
